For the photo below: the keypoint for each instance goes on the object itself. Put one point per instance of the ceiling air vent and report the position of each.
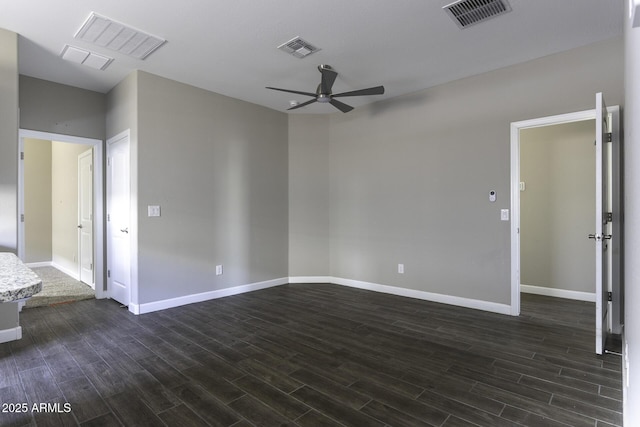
(298, 47)
(85, 57)
(469, 12)
(105, 32)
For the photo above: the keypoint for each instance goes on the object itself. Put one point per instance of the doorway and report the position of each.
(613, 280)
(94, 254)
(557, 181)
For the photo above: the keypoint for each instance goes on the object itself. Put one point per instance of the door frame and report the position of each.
(615, 277)
(98, 198)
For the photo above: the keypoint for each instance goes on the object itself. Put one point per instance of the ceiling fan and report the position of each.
(323, 92)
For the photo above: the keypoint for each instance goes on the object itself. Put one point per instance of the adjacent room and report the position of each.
(343, 214)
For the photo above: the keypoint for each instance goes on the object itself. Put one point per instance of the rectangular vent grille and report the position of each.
(85, 57)
(113, 35)
(469, 12)
(298, 47)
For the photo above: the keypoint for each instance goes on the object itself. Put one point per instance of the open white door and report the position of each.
(118, 220)
(603, 224)
(85, 217)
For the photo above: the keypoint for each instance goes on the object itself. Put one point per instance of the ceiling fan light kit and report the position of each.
(323, 92)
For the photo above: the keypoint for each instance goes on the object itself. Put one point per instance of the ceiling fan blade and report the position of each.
(328, 78)
(293, 91)
(341, 106)
(302, 105)
(378, 90)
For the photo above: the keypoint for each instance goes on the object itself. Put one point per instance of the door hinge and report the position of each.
(22, 155)
(609, 296)
(91, 266)
(21, 217)
(108, 273)
(108, 217)
(609, 137)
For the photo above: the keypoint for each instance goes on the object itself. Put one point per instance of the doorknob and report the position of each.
(125, 230)
(599, 237)
(80, 226)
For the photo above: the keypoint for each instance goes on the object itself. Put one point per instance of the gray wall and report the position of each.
(631, 158)
(410, 177)
(309, 195)
(217, 166)
(557, 206)
(52, 107)
(8, 141)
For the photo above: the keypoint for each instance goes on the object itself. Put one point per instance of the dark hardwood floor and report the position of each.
(310, 355)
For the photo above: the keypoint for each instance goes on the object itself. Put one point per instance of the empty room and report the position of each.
(320, 214)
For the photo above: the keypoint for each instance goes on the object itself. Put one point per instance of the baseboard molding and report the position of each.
(411, 293)
(558, 293)
(204, 296)
(66, 271)
(393, 290)
(39, 264)
(11, 334)
(311, 279)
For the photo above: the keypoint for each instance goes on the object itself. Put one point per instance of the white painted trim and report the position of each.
(311, 279)
(39, 264)
(11, 334)
(204, 296)
(405, 292)
(558, 293)
(98, 196)
(393, 290)
(73, 274)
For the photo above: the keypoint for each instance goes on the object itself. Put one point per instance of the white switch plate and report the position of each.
(401, 268)
(218, 270)
(153, 210)
(504, 214)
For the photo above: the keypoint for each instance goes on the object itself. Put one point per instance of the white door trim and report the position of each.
(98, 197)
(516, 127)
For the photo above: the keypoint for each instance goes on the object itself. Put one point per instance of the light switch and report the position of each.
(504, 214)
(153, 211)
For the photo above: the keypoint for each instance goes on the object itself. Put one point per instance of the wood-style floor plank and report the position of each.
(312, 355)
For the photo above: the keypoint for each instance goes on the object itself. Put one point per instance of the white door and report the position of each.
(118, 220)
(85, 217)
(603, 224)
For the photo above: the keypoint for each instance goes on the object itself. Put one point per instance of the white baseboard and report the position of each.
(311, 279)
(66, 271)
(39, 264)
(558, 293)
(11, 334)
(411, 293)
(204, 296)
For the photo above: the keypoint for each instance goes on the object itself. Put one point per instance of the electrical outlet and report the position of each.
(153, 211)
(401, 268)
(218, 270)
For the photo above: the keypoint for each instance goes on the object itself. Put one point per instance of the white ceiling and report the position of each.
(230, 46)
